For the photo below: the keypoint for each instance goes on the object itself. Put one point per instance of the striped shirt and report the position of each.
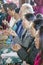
(20, 30)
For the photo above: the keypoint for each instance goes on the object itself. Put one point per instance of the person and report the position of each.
(2, 18)
(39, 2)
(29, 55)
(4, 10)
(39, 16)
(39, 6)
(39, 57)
(33, 50)
(4, 7)
(22, 12)
(37, 23)
(22, 33)
(26, 37)
(11, 11)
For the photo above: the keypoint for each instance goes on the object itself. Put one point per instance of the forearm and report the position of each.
(23, 54)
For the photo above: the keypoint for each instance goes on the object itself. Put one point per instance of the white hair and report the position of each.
(30, 8)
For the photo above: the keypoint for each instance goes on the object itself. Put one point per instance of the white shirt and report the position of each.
(12, 22)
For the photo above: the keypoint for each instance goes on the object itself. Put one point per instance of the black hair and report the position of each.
(38, 23)
(0, 6)
(30, 17)
(41, 37)
(17, 10)
(41, 41)
(2, 17)
(39, 16)
(12, 6)
(5, 6)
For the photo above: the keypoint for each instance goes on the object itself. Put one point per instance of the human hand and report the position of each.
(25, 24)
(4, 22)
(16, 47)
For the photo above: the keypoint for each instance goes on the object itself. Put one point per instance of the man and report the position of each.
(22, 33)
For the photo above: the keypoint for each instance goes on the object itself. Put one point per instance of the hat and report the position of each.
(28, 8)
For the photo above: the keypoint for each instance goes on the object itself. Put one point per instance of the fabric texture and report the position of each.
(39, 2)
(38, 60)
(30, 56)
(9, 60)
(38, 9)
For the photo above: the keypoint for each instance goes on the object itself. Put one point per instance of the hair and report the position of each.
(39, 16)
(0, 6)
(38, 23)
(17, 10)
(41, 37)
(5, 6)
(30, 17)
(41, 41)
(12, 6)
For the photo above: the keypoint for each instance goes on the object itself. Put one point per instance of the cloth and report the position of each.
(26, 42)
(8, 18)
(11, 59)
(30, 56)
(38, 9)
(19, 29)
(12, 22)
(39, 2)
(21, 32)
(38, 59)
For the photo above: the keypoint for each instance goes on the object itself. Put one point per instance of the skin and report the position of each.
(29, 26)
(37, 40)
(26, 25)
(37, 43)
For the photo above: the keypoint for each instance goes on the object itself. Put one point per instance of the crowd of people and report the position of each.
(26, 30)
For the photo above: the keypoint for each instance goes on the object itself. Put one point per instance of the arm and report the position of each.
(21, 52)
(29, 26)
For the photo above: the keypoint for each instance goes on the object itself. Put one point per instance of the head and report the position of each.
(39, 39)
(39, 16)
(29, 19)
(28, 23)
(11, 9)
(38, 23)
(41, 42)
(25, 8)
(0, 8)
(4, 7)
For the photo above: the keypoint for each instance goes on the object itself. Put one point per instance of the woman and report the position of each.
(39, 6)
(39, 57)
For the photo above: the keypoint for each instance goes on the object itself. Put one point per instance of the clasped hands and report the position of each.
(16, 47)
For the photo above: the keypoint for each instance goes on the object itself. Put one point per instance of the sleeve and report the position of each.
(23, 55)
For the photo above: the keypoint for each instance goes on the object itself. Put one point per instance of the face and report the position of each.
(16, 16)
(37, 40)
(10, 12)
(27, 24)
